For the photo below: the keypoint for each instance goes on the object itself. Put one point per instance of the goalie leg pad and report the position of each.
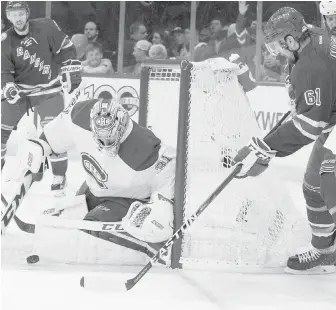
(76, 208)
(114, 209)
(76, 247)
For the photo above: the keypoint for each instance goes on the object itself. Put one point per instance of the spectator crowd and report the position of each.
(216, 37)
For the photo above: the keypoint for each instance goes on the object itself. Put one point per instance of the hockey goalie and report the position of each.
(129, 176)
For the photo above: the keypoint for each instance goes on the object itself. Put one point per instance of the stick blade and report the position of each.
(131, 282)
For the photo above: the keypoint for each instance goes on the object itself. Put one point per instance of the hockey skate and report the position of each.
(58, 185)
(312, 261)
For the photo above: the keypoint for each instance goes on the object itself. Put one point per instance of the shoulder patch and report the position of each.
(3, 36)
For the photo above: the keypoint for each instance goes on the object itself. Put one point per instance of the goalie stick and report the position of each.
(52, 220)
(56, 222)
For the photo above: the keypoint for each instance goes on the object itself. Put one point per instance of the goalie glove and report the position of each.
(11, 92)
(255, 158)
(32, 155)
(71, 75)
(152, 221)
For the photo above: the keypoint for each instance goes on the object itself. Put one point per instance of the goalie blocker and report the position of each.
(130, 176)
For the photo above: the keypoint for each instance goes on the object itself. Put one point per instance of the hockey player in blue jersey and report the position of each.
(313, 80)
(32, 54)
(328, 166)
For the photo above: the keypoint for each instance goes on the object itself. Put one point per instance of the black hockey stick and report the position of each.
(11, 208)
(25, 227)
(131, 282)
(285, 116)
(24, 93)
(28, 228)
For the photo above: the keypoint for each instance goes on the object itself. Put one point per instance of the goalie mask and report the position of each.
(109, 122)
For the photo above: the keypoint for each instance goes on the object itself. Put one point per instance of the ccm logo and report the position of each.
(114, 227)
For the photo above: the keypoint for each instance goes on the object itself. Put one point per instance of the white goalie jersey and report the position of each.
(142, 167)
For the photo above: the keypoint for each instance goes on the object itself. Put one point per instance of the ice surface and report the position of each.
(59, 289)
(47, 286)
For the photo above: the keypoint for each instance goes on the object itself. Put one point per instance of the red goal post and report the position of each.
(201, 109)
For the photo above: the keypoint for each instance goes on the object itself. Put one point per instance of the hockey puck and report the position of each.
(82, 282)
(33, 259)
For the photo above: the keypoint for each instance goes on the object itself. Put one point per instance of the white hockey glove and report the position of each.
(12, 93)
(71, 75)
(255, 158)
(152, 221)
(31, 155)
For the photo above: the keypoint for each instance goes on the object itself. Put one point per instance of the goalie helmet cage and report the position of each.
(201, 109)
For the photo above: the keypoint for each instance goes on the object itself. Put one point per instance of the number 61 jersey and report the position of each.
(144, 165)
(313, 79)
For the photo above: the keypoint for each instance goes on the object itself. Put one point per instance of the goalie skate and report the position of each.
(312, 262)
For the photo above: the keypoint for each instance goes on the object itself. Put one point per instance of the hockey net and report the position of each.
(201, 109)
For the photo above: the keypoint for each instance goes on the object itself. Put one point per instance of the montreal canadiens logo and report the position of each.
(103, 121)
(93, 168)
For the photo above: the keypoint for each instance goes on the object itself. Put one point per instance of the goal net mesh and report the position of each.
(253, 222)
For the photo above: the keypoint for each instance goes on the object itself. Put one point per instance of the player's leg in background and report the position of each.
(49, 106)
(323, 251)
(11, 114)
(328, 182)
